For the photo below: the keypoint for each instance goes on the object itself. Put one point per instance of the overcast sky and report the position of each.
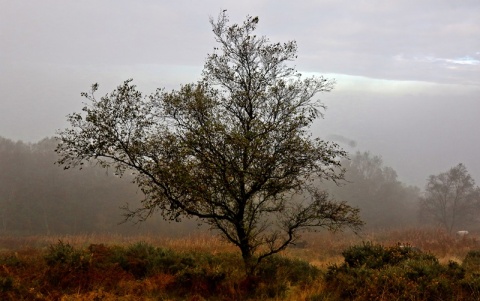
(407, 71)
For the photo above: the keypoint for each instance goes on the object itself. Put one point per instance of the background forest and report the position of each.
(39, 197)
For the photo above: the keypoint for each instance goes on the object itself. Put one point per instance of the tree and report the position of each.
(37, 197)
(451, 198)
(232, 150)
(374, 188)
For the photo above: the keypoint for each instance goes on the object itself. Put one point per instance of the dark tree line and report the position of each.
(39, 197)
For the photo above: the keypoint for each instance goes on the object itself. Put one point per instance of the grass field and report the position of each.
(203, 267)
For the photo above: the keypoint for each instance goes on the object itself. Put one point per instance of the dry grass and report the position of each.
(436, 241)
(324, 248)
(319, 249)
(198, 241)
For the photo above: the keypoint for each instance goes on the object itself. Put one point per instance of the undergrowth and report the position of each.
(144, 271)
(327, 268)
(374, 272)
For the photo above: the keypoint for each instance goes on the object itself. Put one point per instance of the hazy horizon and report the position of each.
(407, 72)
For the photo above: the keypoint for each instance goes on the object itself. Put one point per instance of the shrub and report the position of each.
(10, 261)
(6, 284)
(294, 271)
(471, 267)
(375, 256)
(67, 267)
(199, 280)
(63, 254)
(276, 274)
(142, 260)
(471, 263)
(138, 259)
(374, 272)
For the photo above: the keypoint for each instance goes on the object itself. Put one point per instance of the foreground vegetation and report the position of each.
(325, 267)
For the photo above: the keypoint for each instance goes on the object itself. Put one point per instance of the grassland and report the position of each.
(203, 267)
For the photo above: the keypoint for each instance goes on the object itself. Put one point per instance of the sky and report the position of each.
(407, 72)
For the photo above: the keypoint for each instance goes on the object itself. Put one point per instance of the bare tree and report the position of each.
(451, 198)
(233, 150)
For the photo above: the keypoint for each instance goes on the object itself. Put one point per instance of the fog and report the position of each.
(418, 128)
(407, 72)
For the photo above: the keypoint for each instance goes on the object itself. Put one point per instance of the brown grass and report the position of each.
(199, 241)
(320, 249)
(325, 248)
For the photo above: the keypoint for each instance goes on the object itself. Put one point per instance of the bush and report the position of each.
(64, 255)
(10, 261)
(199, 280)
(471, 267)
(294, 271)
(142, 260)
(471, 263)
(138, 259)
(374, 272)
(375, 256)
(276, 274)
(67, 267)
(6, 284)
(189, 274)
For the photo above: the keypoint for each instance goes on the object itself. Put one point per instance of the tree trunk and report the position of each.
(247, 251)
(248, 260)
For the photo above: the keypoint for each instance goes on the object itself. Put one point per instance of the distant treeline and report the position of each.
(39, 197)
(384, 201)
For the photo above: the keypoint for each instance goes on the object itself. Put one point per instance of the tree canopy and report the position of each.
(233, 149)
(451, 198)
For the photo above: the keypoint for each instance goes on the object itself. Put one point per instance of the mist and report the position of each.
(407, 73)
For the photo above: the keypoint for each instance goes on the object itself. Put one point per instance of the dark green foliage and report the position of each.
(374, 272)
(10, 261)
(471, 267)
(67, 266)
(455, 271)
(471, 262)
(375, 256)
(201, 280)
(275, 274)
(471, 287)
(64, 255)
(369, 255)
(10, 285)
(142, 259)
(6, 284)
(294, 271)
